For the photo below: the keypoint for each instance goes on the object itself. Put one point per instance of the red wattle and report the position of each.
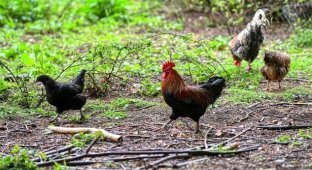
(237, 63)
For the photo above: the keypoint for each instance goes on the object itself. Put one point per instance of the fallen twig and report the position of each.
(206, 136)
(52, 152)
(293, 79)
(92, 144)
(246, 116)
(167, 158)
(253, 105)
(150, 152)
(142, 108)
(190, 162)
(285, 103)
(287, 127)
(234, 137)
(68, 130)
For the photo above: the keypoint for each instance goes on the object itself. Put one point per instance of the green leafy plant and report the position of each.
(18, 160)
(82, 139)
(297, 143)
(283, 139)
(306, 134)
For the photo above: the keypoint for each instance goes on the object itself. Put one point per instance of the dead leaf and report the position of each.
(219, 133)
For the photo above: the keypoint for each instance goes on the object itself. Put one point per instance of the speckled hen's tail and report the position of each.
(215, 86)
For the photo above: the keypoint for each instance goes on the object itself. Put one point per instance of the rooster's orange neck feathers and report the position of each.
(172, 82)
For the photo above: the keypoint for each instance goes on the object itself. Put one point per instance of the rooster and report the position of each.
(246, 45)
(276, 67)
(188, 101)
(65, 96)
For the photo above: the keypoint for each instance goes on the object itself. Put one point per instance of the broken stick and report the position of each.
(69, 130)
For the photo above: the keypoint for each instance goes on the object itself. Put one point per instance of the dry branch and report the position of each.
(68, 130)
(206, 136)
(285, 103)
(231, 139)
(285, 127)
(148, 152)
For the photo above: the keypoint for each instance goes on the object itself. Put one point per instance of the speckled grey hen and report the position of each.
(246, 45)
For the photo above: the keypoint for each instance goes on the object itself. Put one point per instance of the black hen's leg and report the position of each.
(53, 120)
(81, 115)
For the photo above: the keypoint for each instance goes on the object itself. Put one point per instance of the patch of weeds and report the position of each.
(149, 88)
(44, 112)
(110, 164)
(305, 134)
(301, 38)
(116, 108)
(124, 103)
(82, 139)
(76, 119)
(238, 95)
(222, 148)
(9, 112)
(112, 114)
(58, 166)
(19, 159)
(219, 43)
(283, 139)
(297, 143)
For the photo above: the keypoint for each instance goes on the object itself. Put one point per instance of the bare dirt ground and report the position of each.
(227, 121)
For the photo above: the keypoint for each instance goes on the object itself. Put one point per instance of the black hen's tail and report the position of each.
(79, 80)
(215, 86)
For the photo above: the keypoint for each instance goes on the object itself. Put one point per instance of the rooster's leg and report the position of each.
(197, 127)
(164, 126)
(279, 85)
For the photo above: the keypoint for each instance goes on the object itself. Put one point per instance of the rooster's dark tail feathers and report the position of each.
(215, 86)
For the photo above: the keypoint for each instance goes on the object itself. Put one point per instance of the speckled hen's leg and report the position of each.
(248, 68)
(279, 85)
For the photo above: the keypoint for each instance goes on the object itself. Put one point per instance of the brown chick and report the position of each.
(276, 67)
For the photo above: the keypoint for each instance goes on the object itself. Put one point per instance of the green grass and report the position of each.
(125, 46)
(117, 108)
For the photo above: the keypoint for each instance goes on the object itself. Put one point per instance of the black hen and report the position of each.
(65, 96)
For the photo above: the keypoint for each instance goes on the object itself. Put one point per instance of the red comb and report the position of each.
(168, 65)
